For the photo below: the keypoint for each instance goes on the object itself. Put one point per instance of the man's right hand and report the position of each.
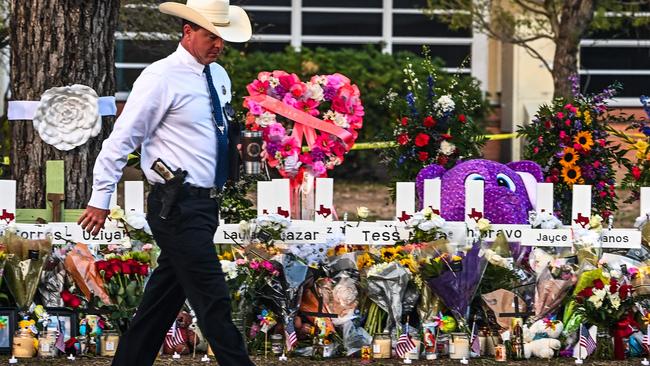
(92, 219)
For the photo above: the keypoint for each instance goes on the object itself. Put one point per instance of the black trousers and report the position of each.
(188, 267)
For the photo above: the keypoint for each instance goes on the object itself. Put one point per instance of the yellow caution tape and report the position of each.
(391, 144)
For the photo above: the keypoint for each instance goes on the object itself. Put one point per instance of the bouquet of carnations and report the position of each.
(332, 99)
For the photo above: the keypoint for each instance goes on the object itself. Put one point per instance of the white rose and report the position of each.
(244, 226)
(314, 91)
(427, 211)
(265, 119)
(640, 221)
(598, 302)
(68, 116)
(340, 120)
(483, 225)
(595, 222)
(363, 212)
(116, 213)
(438, 221)
(135, 219)
(447, 148)
(426, 225)
(291, 165)
(229, 268)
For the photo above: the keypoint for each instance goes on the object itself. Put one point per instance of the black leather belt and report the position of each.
(192, 191)
(200, 192)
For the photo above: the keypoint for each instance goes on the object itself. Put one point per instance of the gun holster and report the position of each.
(170, 191)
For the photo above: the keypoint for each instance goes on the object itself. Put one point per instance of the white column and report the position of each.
(387, 26)
(296, 24)
(480, 58)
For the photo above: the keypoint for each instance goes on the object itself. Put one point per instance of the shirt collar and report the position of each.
(189, 60)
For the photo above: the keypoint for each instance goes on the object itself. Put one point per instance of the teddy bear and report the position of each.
(180, 338)
(541, 338)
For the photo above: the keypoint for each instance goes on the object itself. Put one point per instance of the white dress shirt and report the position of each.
(169, 114)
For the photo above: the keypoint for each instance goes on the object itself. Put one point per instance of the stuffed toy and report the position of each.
(509, 188)
(180, 338)
(541, 338)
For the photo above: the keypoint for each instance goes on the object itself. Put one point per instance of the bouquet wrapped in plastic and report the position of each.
(80, 263)
(457, 282)
(24, 263)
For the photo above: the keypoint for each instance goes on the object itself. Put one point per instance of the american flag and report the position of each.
(586, 341)
(475, 343)
(290, 335)
(174, 337)
(404, 344)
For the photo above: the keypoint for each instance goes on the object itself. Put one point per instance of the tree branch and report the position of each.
(532, 52)
(551, 14)
(529, 8)
(530, 39)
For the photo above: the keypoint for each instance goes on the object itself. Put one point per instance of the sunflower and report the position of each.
(569, 157)
(584, 139)
(388, 254)
(409, 263)
(364, 260)
(571, 174)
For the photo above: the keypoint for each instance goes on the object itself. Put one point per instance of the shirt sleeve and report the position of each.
(146, 106)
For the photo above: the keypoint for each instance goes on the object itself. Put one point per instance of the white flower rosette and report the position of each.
(68, 116)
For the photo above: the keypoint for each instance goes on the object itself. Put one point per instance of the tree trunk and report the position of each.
(57, 43)
(575, 18)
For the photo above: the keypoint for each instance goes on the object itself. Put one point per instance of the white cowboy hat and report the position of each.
(217, 16)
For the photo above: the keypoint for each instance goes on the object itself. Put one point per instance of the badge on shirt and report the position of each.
(223, 89)
(229, 112)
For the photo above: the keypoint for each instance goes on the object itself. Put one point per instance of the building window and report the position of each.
(312, 23)
(341, 24)
(621, 55)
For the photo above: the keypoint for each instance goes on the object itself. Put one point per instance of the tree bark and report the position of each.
(575, 18)
(56, 43)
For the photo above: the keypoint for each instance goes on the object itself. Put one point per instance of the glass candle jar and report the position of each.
(414, 354)
(500, 353)
(459, 346)
(442, 345)
(46, 344)
(277, 344)
(23, 344)
(381, 346)
(108, 344)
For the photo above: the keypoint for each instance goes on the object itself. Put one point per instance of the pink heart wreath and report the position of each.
(326, 111)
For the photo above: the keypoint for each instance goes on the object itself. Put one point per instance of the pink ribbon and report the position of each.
(306, 123)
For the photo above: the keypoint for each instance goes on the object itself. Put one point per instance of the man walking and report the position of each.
(175, 112)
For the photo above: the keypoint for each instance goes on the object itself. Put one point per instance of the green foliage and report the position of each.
(235, 204)
(376, 74)
(636, 137)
